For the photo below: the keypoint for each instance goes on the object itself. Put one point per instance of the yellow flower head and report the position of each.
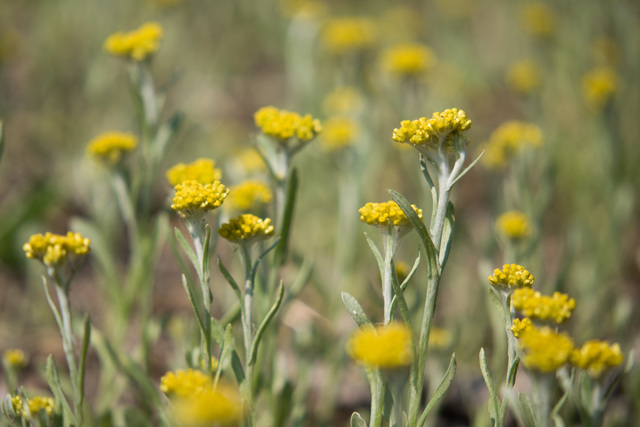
(39, 403)
(345, 35)
(508, 139)
(556, 308)
(538, 19)
(383, 346)
(338, 133)
(544, 349)
(193, 198)
(248, 195)
(283, 125)
(344, 100)
(184, 383)
(15, 358)
(524, 76)
(136, 45)
(439, 338)
(402, 270)
(54, 249)
(521, 326)
(408, 59)
(202, 170)
(510, 277)
(110, 147)
(386, 214)
(17, 404)
(596, 357)
(442, 129)
(598, 86)
(212, 407)
(514, 225)
(246, 228)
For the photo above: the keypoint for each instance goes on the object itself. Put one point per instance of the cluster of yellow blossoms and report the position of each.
(508, 139)
(249, 194)
(545, 349)
(533, 304)
(596, 357)
(524, 76)
(441, 129)
(344, 100)
(246, 228)
(34, 405)
(136, 45)
(386, 214)
(201, 170)
(193, 197)
(110, 147)
(344, 35)
(383, 346)
(15, 358)
(339, 132)
(283, 125)
(54, 249)
(184, 383)
(409, 59)
(598, 86)
(512, 276)
(514, 225)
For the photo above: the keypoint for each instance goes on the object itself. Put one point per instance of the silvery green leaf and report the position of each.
(494, 404)
(355, 310)
(357, 421)
(441, 390)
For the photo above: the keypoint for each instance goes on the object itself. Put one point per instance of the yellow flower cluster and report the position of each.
(598, 86)
(249, 194)
(439, 338)
(511, 276)
(54, 249)
(15, 358)
(538, 19)
(524, 76)
(596, 357)
(184, 383)
(246, 228)
(343, 35)
(35, 405)
(521, 326)
(110, 147)
(382, 347)
(533, 304)
(282, 124)
(339, 132)
(192, 197)
(508, 139)
(441, 128)
(344, 100)
(386, 214)
(137, 45)
(201, 170)
(409, 59)
(514, 225)
(544, 349)
(250, 161)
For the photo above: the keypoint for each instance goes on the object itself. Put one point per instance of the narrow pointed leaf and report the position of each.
(186, 247)
(355, 310)
(86, 339)
(187, 289)
(526, 408)
(53, 378)
(376, 254)
(414, 268)
(493, 398)
(236, 366)
(427, 177)
(256, 263)
(464, 172)
(229, 278)
(205, 252)
(287, 220)
(402, 303)
(357, 421)
(225, 350)
(441, 390)
(265, 322)
(447, 234)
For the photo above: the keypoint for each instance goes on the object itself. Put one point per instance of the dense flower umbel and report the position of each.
(442, 129)
(136, 45)
(511, 276)
(544, 349)
(598, 86)
(596, 357)
(556, 308)
(248, 195)
(54, 249)
(282, 124)
(524, 76)
(213, 407)
(343, 35)
(521, 326)
(339, 132)
(514, 225)
(383, 347)
(408, 59)
(246, 228)
(184, 383)
(201, 170)
(385, 214)
(110, 147)
(193, 198)
(35, 405)
(508, 139)
(15, 358)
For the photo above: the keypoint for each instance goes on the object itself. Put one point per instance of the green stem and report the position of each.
(597, 409)
(512, 358)
(377, 399)
(542, 383)
(390, 241)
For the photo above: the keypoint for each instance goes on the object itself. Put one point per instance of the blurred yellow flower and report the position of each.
(15, 358)
(408, 59)
(596, 357)
(556, 308)
(250, 161)
(39, 403)
(282, 124)
(514, 225)
(439, 338)
(511, 276)
(246, 228)
(136, 45)
(538, 19)
(201, 170)
(344, 100)
(249, 195)
(521, 326)
(54, 250)
(344, 35)
(544, 349)
(442, 129)
(212, 407)
(339, 132)
(402, 270)
(184, 383)
(598, 86)
(193, 198)
(508, 139)
(386, 214)
(110, 147)
(383, 346)
(524, 76)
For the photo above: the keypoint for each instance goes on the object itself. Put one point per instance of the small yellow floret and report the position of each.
(344, 35)
(508, 139)
(524, 76)
(110, 147)
(439, 338)
(545, 350)
(248, 195)
(283, 125)
(538, 19)
(16, 403)
(15, 358)
(184, 383)
(220, 406)
(251, 161)
(193, 198)
(201, 170)
(54, 249)
(511, 276)
(386, 214)
(556, 308)
(442, 129)
(408, 59)
(514, 225)
(598, 86)
(344, 100)
(136, 45)
(338, 133)
(596, 357)
(521, 326)
(383, 347)
(246, 228)
(39, 403)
